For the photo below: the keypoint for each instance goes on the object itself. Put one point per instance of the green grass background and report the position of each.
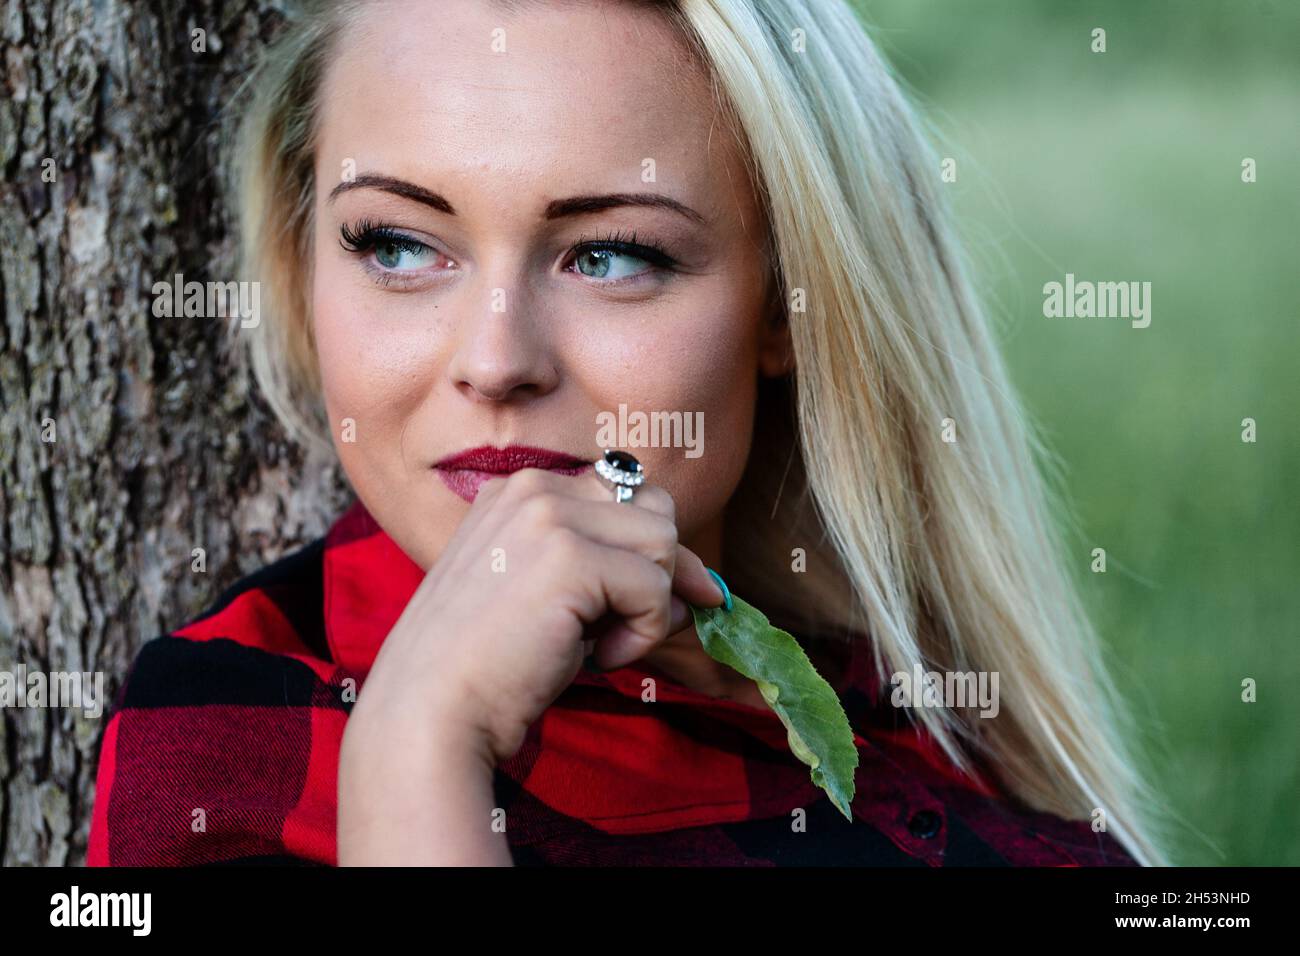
(1126, 165)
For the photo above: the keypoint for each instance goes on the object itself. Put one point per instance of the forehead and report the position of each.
(575, 96)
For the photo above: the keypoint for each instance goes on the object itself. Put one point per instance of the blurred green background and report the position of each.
(1120, 166)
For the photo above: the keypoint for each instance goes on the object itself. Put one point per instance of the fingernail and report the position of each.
(722, 588)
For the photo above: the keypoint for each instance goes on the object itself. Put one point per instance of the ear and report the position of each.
(775, 347)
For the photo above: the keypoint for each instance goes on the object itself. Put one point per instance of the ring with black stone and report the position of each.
(623, 471)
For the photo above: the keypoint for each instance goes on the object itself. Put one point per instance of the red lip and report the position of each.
(466, 472)
(503, 461)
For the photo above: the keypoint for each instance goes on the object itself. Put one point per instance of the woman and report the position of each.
(486, 231)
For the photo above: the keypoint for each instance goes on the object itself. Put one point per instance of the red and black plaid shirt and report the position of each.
(223, 743)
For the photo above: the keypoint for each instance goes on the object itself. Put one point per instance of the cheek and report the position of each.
(372, 369)
(704, 367)
(710, 373)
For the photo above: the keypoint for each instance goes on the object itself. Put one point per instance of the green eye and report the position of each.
(392, 250)
(619, 256)
(601, 263)
(400, 254)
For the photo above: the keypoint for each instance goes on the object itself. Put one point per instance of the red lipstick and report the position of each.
(465, 472)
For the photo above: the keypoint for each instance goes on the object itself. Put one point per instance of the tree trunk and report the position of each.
(126, 441)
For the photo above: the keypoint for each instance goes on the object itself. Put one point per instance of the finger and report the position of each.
(647, 496)
(636, 590)
(693, 582)
(587, 485)
(610, 523)
(613, 525)
(679, 619)
(622, 645)
(679, 615)
(690, 578)
(499, 497)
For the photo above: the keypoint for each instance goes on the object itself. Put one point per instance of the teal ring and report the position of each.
(726, 591)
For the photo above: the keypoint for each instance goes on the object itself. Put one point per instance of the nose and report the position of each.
(502, 352)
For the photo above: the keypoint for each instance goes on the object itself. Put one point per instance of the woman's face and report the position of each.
(494, 153)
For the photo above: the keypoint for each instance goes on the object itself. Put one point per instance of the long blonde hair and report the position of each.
(942, 554)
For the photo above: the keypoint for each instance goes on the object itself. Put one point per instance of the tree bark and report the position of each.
(158, 446)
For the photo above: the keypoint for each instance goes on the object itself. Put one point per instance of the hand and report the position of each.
(495, 648)
(479, 654)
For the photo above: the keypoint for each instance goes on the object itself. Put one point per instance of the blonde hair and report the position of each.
(942, 555)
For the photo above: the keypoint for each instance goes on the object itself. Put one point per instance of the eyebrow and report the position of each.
(556, 209)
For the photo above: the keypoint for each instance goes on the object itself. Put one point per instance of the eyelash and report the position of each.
(627, 245)
(366, 235)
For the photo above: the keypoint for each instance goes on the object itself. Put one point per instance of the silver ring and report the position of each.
(623, 471)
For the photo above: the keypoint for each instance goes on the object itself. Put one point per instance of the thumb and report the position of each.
(693, 582)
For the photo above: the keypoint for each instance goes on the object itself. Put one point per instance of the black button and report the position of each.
(925, 824)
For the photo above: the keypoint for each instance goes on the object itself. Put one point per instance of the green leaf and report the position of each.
(816, 726)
